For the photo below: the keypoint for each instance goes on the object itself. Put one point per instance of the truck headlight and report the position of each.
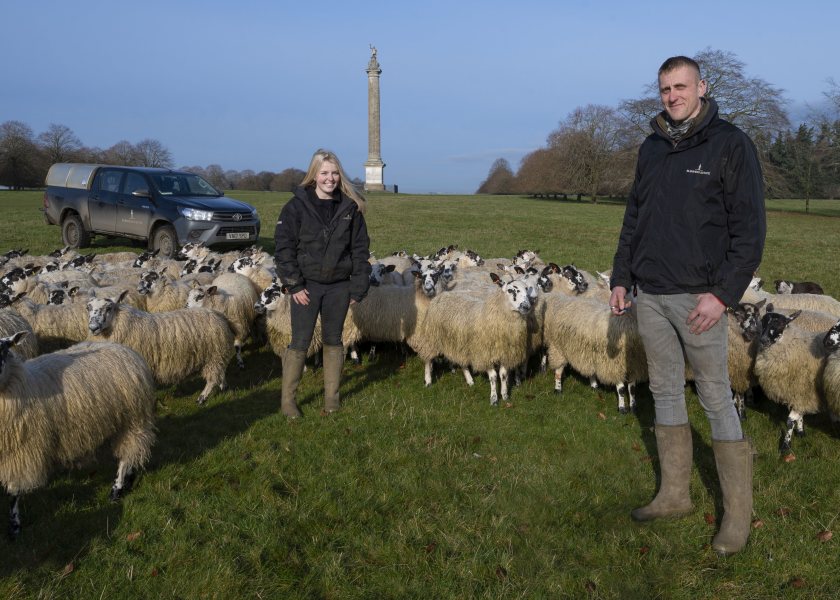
(193, 214)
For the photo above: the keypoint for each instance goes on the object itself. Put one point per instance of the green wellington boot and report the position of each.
(333, 364)
(673, 444)
(734, 462)
(293, 361)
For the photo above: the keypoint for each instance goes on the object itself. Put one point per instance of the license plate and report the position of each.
(243, 235)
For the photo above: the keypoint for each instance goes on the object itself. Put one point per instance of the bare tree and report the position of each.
(21, 162)
(500, 179)
(287, 180)
(151, 153)
(541, 173)
(589, 142)
(122, 153)
(216, 176)
(59, 144)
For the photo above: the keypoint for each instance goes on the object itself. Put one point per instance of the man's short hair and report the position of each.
(675, 62)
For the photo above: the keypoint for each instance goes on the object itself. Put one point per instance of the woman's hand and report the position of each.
(301, 297)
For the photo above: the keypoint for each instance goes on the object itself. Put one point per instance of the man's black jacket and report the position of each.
(694, 220)
(308, 249)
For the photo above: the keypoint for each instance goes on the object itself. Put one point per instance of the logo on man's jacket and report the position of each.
(347, 217)
(699, 170)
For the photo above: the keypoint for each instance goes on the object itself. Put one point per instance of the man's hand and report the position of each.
(707, 312)
(301, 297)
(618, 302)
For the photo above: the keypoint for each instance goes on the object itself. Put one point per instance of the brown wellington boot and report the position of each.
(734, 462)
(333, 364)
(673, 444)
(293, 362)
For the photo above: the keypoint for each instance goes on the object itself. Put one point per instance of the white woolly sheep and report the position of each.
(815, 302)
(275, 303)
(789, 368)
(55, 326)
(175, 344)
(60, 407)
(582, 333)
(831, 374)
(233, 296)
(486, 333)
(12, 322)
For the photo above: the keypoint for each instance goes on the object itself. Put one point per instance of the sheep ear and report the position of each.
(770, 307)
(761, 303)
(390, 268)
(211, 290)
(496, 279)
(122, 296)
(16, 337)
(519, 270)
(794, 315)
(73, 291)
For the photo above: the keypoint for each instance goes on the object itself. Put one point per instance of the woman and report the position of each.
(321, 253)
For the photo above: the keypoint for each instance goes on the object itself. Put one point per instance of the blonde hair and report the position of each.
(318, 159)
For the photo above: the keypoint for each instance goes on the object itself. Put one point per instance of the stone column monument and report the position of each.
(374, 165)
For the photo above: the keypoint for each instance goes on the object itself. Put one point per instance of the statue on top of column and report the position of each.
(373, 64)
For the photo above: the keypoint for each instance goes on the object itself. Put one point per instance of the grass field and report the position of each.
(414, 492)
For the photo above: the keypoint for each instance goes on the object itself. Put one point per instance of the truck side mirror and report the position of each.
(141, 193)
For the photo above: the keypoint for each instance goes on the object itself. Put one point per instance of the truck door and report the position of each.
(102, 203)
(134, 212)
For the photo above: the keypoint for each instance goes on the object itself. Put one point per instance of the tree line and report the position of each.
(25, 159)
(593, 150)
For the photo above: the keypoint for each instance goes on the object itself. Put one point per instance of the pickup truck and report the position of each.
(164, 208)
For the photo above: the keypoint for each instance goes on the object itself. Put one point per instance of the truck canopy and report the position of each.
(71, 175)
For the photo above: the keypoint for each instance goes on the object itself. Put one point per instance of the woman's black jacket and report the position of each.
(308, 249)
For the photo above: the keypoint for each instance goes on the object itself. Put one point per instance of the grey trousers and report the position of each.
(666, 336)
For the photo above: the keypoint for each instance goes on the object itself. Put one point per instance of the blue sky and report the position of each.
(260, 85)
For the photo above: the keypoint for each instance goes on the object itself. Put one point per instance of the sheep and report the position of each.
(275, 303)
(582, 333)
(259, 269)
(789, 368)
(381, 274)
(831, 374)
(12, 322)
(391, 313)
(60, 407)
(815, 302)
(784, 286)
(487, 333)
(175, 344)
(233, 296)
(55, 326)
(162, 293)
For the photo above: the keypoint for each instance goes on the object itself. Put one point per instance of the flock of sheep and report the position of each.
(120, 324)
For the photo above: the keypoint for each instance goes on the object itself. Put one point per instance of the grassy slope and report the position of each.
(416, 492)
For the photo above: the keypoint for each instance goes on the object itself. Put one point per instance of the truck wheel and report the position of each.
(73, 233)
(165, 240)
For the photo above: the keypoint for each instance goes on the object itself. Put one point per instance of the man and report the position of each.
(692, 237)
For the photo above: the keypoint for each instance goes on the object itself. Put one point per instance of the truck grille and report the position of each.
(230, 216)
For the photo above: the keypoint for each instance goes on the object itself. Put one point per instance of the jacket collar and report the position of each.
(697, 132)
(307, 202)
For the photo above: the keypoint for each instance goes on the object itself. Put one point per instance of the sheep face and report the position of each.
(574, 278)
(59, 252)
(197, 295)
(61, 296)
(143, 258)
(378, 272)
(8, 298)
(242, 265)
(748, 317)
(6, 344)
(831, 341)
(783, 287)
(524, 258)
(149, 281)
(101, 312)
(756, 283)
(472, 259)
(270, 297)
(773, 326)
(519, 295)
(429, 279)
(15, 280)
